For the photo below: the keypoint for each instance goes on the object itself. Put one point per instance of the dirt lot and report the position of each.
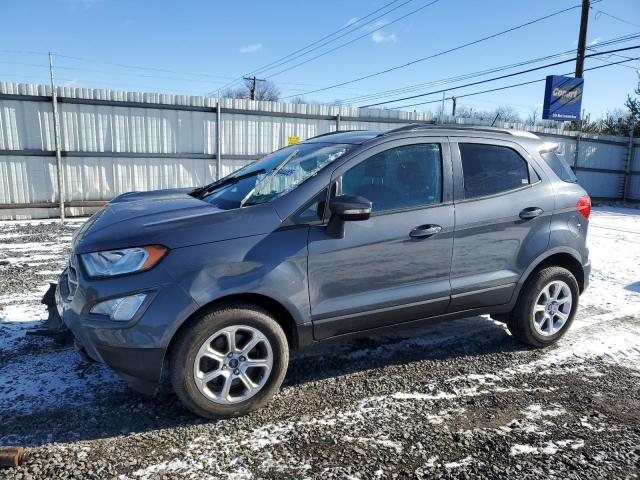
(457, 400)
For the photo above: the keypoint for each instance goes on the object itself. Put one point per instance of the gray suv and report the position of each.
(343, 234)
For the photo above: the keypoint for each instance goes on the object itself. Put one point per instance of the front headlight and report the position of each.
(119, 262)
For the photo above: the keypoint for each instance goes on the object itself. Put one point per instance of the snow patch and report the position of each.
(458, 464)
(549, 448)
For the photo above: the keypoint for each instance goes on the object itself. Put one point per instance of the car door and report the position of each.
(503, 211)
(393, 267)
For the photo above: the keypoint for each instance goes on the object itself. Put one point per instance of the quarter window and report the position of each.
(398, 178)
(491, 169)
(559, 166)
(313, 211)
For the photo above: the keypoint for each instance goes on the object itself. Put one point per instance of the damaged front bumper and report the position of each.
(134, 349)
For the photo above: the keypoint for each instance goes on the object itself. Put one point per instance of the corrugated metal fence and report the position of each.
(113, 142)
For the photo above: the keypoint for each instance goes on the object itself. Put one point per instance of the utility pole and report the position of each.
(582, 38)
(219, 138)
(629, 162)
(453, 107)
(253, 81)
(56, 134)
(442, 110)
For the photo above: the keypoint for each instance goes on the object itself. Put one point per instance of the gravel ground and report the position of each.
(456, 400)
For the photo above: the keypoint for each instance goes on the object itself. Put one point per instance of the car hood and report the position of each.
(172, 218)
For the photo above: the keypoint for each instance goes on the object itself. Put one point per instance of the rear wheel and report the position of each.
(230, 362)
(546, 308)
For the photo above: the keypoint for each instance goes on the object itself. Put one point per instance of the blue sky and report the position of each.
(196, 47)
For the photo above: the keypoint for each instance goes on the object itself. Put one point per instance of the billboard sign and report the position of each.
(562, 98)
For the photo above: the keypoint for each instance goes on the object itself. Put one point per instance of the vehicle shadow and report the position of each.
(119, 411)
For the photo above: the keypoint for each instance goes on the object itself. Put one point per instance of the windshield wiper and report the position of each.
(202, 191)
(274, 172)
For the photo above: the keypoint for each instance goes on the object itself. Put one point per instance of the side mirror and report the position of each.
(351, 207)
(347, 208)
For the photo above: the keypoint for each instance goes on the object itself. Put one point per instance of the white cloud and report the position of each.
(381, 37)
(595, 41)
(376, 26)
(254, 47)
(351, 21)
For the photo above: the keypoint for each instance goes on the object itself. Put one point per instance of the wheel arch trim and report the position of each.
(572, 261)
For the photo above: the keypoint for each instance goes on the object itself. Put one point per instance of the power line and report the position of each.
(448, 80)
(127, 74)
(501, 77)
(352, 28)
(510, 86)
(602, 12)
(348, 26)
(444, 52)
(342, 45)
(620, 65)
(138, 67)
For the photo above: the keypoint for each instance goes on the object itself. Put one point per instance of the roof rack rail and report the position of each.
(476, 128)
(336, 132)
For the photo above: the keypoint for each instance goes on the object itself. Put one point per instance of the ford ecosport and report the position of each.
(339, 235)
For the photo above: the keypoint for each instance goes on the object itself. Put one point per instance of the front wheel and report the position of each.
(230, 362)
(546, 308)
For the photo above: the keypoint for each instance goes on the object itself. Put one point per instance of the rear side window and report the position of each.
(491, 169)
(559, 166)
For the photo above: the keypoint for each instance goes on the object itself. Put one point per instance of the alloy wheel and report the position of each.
(552, 308)
(233, 364)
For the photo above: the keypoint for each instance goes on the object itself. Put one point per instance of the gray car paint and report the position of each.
(403, 272)
(493, 246)
(374, 277)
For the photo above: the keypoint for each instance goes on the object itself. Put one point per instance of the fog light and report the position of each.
(120, 309)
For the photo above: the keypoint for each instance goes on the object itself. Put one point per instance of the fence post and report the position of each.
(338, 122)
(576, 157)
(629, 164)
(56, 134)
(218, 141)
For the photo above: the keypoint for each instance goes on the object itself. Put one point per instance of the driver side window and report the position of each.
(403, 177)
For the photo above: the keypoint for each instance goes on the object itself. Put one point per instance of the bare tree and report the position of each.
(265, 90)
(507, 113)
(533, 116)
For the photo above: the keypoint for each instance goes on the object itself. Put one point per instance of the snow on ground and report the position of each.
(605, 335)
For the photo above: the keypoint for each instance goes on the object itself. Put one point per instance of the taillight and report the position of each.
(584, 206)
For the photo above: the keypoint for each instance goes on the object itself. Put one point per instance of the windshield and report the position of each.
(272, 176)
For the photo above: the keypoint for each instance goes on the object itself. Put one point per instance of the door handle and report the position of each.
(424, 231)
(531, 212)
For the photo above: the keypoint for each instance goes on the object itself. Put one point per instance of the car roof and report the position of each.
(358, 137)
(355, 137)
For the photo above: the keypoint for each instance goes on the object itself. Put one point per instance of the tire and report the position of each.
(209, 399)
(526, 326)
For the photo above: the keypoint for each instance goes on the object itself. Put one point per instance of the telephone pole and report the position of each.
(582, 38)
(253, 81)
(453, 107)
(56, 135)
